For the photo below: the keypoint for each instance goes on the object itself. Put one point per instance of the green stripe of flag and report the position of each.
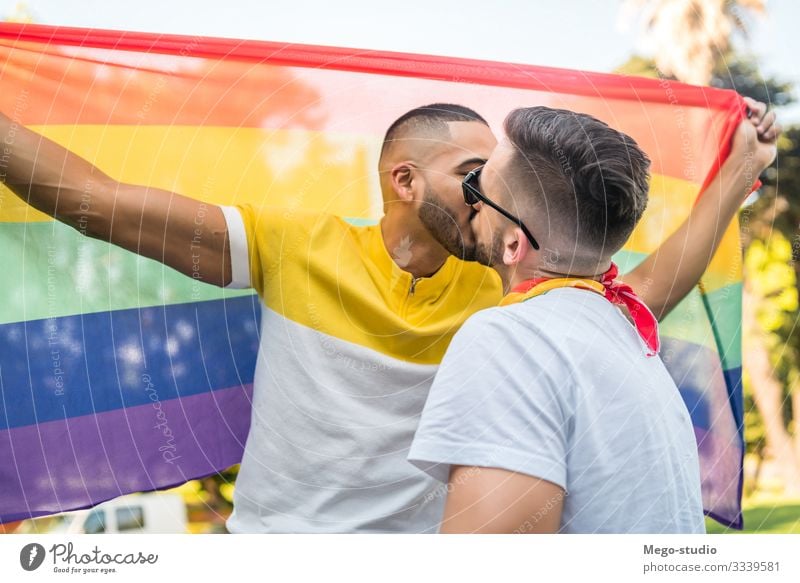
(51, 270)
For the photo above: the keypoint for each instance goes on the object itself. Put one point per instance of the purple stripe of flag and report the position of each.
(81, 461)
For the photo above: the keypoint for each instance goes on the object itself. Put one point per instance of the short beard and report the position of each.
(443, 227)
(490, 255)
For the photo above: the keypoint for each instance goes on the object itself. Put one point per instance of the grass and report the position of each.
(765, 515)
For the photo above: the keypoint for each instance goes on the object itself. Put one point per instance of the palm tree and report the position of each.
(689, 36)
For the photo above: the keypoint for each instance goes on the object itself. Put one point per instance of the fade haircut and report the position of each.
(591, 179)
(428, 118)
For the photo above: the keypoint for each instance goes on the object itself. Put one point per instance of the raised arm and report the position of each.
(668, 274)
(183, 233)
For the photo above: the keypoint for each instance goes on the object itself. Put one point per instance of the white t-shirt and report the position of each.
(560, 387)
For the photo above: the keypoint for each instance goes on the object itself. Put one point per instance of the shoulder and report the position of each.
(566, 315)
(525, 321)
(262, 217)
(508, 339)
(488, 325)
(290, 229)
(519, 348)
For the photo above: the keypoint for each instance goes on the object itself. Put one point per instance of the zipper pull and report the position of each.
(414, 281)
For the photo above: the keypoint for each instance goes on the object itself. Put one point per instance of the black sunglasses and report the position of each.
(473, 195)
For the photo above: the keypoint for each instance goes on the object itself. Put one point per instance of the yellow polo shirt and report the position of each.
(349, 347)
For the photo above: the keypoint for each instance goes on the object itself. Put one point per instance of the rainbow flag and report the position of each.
(118, 374)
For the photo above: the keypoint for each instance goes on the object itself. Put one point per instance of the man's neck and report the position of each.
(524, 273)
(412, 247)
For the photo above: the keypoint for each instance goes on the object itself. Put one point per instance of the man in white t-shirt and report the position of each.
(554, 412)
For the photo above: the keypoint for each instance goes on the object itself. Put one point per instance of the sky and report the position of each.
(577, 34)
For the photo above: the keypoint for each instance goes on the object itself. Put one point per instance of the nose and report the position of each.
(475, 208)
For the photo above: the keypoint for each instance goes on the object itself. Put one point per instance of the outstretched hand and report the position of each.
(756, 137)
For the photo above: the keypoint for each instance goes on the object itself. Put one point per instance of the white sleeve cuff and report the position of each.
(237, 244)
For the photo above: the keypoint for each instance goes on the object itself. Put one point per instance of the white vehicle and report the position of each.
(147, 513)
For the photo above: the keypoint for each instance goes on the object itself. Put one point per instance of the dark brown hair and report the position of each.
(591, 179)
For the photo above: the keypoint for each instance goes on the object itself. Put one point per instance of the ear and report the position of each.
(515, 247)
(403, 176)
